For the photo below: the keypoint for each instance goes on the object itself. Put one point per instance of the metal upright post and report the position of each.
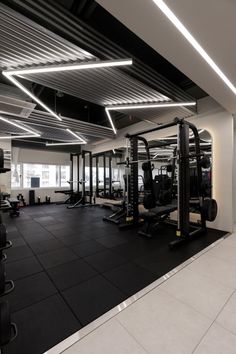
(110, 176)
(83, 177)
(104, 174)
(71, 171)
(183, 180)
(90, 177)
(77, 160)
(134, 180)
(97, 177)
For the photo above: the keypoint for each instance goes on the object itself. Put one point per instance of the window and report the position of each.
(15, 175)
(48, 175)
(65, 176)
(29, 175)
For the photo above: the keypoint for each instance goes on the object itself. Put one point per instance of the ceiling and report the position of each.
(211, 22)
(44, 32)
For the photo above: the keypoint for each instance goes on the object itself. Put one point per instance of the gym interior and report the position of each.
(117, 189)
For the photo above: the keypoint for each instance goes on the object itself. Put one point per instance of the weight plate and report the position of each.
(5, 323)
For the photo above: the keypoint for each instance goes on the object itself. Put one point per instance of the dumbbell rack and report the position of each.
(8, 330)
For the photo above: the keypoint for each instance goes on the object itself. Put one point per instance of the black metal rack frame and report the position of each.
(183, 167)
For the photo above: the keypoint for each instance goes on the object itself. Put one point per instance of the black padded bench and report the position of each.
(155, 216)
(15, 206)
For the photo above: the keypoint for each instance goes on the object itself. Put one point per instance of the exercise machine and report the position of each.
(71, 192)
(207, 207)
(86, 197)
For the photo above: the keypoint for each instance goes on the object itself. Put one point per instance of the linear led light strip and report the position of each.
(79, 141)
(143, 106)
(31, 132)
(149, 105)
(90, 65)
(77, 136)
(185, 32)
(62, 144)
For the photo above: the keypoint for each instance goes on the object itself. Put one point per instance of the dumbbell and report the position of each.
(6, 286)
(8, 330)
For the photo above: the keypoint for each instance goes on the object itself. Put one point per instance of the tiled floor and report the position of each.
(193, 311)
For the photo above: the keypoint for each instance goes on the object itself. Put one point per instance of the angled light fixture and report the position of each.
(149, 105)
(30, 135)
(194, 43)
(110, 120)
(77, 136)
(71, 67)
(28, 93)
(58, 68)
(143, 106)
(62, 144)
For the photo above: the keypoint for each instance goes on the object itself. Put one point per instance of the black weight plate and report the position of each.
(3, 235)
(5, 323)
(149, 201)
(2, 278)
(210, 209)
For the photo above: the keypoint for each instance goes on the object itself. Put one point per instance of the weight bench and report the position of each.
(155, 216)
(72, 196)
(15, 206)
(118, 212)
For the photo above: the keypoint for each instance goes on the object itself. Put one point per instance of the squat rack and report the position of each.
(82, 201)
(183, 170)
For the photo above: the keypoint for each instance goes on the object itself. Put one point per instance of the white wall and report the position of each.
(219, 124)
(42, 157)
(234, 173)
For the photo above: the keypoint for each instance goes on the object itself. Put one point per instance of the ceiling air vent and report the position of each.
(15, 107)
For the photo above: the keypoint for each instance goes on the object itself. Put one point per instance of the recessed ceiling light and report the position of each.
(196, 45)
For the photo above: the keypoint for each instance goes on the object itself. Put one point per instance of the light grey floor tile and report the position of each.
(204, 294)
(162, 324)
(225, 250)
(217, 341)
(215, 268)
(109, 338)
(227, 317)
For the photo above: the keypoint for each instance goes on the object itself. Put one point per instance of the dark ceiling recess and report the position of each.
(69, 106)
(98, 18)
(90, 16)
